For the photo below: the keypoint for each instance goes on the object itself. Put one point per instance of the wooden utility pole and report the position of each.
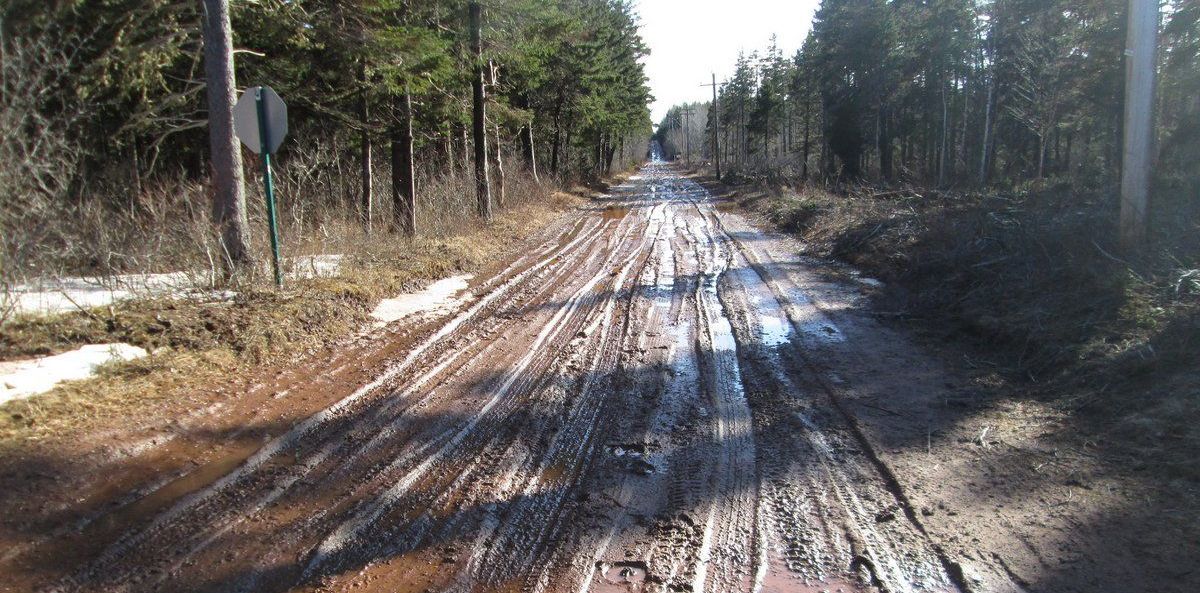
(479, 116)
(1141, 57)
(404, 186)
(687, 148)
(713, 112)
(229, 197)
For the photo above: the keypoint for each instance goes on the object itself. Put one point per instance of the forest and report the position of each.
(104, 109)
(951, 93)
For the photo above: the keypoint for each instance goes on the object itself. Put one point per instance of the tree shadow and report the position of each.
(420, 535)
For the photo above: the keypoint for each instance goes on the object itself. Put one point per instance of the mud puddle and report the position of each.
(624, 408)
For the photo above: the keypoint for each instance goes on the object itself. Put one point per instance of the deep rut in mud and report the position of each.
(632, 406)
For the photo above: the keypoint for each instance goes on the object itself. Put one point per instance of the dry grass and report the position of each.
(195, 343)
(1031, 278)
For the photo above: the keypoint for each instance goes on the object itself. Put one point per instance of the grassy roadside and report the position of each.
(1031, 283)
(198, 343)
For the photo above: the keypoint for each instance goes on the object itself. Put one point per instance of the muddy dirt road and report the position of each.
(646, 401)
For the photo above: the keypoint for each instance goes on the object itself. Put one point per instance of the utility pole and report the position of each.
(229, 197)
(479, 117)
(687, 122)
(1141, 57)
(714, 112)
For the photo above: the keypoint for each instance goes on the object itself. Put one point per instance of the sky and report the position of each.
(690, 39)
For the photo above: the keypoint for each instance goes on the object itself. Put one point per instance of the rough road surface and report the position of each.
(648, 400)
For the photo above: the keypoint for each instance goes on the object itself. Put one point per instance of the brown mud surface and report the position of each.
(656, 396)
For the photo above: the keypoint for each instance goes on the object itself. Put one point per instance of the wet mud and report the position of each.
(637, 404)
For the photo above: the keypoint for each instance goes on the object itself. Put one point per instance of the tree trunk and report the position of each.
(807, 139)
(404, 189)
(945, 139)
(499, 163)
(528, 149)
(554, 149)
(960, 151)
(229, 198)
(609, 152)
(985, 153)
(566, 149)
(1041, 166)
(483, 192)
(767, 140)
(448, 148)
(466, 148)
(1066, 164)
(365, 157)
(885, 145)
(135, 166)
(558, 104)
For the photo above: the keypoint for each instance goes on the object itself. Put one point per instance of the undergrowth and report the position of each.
(1033, 278)
(194, 342)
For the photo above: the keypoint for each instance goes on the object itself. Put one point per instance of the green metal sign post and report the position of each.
(267, 185)
(260, 121)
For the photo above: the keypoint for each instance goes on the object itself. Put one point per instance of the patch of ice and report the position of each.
(23, 378)
(870, 282)
(437, 297)
(775, 330)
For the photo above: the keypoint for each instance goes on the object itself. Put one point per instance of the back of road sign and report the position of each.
(245, 119)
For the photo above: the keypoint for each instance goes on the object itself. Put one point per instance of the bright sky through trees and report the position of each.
(689, 39)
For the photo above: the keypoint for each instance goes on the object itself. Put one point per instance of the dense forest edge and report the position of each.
(107, 175)
(968, 154)
(105, 112)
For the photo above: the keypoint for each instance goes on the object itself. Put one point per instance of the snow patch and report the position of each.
(81, 292)
(71, 293)
(23, 378)
(309, 266)
(439, 297)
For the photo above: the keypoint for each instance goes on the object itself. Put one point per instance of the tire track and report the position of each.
(633, 406)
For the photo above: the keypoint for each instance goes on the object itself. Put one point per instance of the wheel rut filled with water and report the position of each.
(637, 404)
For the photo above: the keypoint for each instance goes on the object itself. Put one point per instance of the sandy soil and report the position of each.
(656, 396)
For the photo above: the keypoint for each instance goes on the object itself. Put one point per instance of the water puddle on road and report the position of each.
(620, 577)
(773, 326)
(223, 462)
(775, 330)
